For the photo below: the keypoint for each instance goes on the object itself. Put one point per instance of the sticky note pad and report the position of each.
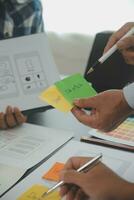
(56, 99)
(63, 93)
(53, 173)
(74, 87)
(36, 192)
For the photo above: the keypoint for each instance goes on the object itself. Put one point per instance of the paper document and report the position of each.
(124, 134)
(26, 69)
(120, 161)
(23, 147)
(8, 176)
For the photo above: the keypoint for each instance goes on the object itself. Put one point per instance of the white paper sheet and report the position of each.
(9, 176)
(26, 68)
(120, 161)
(23, 147)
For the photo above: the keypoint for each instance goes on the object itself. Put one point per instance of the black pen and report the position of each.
(109, 52)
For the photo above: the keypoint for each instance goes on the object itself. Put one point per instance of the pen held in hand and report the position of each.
(109, 52)
(91, 163)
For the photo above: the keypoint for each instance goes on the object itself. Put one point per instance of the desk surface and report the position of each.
(55, 119)
(121, 162)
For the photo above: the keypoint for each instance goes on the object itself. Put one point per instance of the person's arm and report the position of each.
(11, 118)
(99, 183)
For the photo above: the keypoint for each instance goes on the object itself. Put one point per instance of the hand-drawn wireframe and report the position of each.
(30, 71)
(8, 85)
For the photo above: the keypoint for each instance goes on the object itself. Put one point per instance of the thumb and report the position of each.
(126, 43)
(73, 177)
(85, 103)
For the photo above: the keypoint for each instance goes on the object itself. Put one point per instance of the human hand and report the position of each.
(99, 183)
(126, 45)
(109, 109)
(11, 118)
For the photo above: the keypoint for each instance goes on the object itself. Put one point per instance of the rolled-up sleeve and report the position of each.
(128, 92)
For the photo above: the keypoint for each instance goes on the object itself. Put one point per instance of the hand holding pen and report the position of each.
(123, 33)
(85, 166)
(99, 183)
(124, 45)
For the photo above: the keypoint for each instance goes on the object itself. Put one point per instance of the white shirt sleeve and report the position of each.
(128, 92)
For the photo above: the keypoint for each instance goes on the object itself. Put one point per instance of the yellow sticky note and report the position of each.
(53, 173)
(36, 192)
(53, 97)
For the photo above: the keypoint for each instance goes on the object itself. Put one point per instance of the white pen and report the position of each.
(90, 163)
(109, 52)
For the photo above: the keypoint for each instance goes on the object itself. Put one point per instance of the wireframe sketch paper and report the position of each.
(120, 161)
(23, 147)
(26, 68)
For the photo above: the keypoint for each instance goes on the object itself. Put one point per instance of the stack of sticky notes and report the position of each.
(62, 94)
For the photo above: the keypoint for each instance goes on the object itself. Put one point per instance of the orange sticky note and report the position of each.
(53, 173)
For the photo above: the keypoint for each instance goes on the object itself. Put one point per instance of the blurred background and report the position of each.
(71, 26)
(86, 16)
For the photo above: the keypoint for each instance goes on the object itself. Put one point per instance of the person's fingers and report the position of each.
(72, 192)
(20, 118)
(73, 177)
(128, 56)
(9, 117)
(75, 162)
(87, 119)
(2, 121)
(85, 103)
(80, 195)
(72, 163)
(118, 35)
(63, 190)
(126, 43)
(112, 40)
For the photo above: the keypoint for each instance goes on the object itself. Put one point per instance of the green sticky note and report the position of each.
(74, 87)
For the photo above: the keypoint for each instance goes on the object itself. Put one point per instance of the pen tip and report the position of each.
(43, 195)
(90, 70)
